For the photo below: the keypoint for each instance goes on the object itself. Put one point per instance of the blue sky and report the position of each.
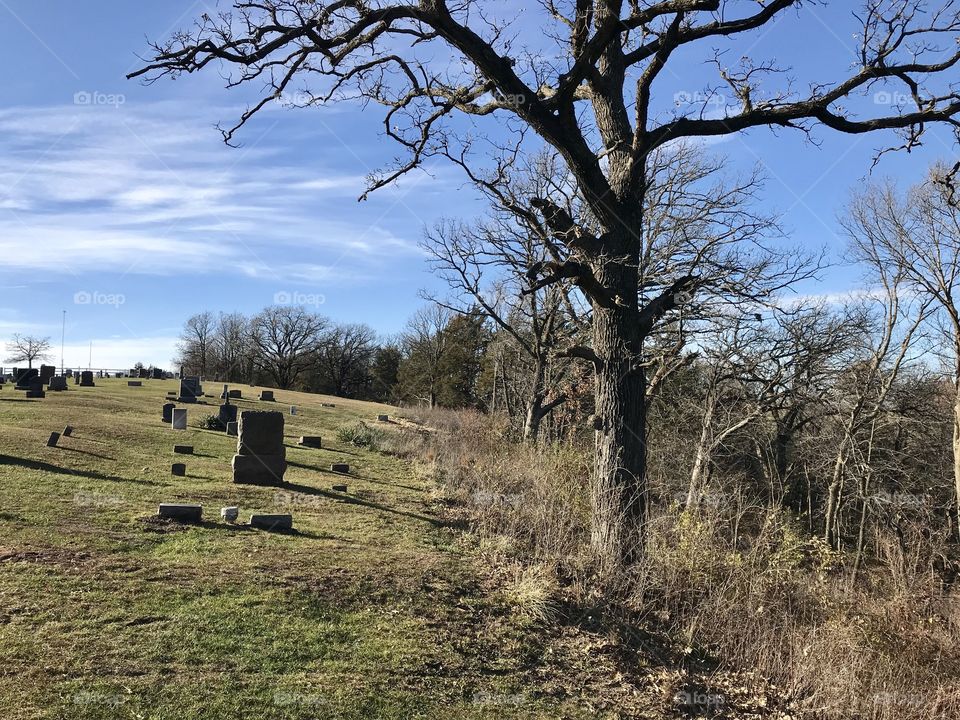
(120, 204)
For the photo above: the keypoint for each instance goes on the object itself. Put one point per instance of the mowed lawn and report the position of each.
(368, 609)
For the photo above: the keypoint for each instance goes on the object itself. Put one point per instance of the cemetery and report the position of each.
(107, 502)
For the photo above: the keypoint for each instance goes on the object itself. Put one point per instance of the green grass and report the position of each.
(368, 610)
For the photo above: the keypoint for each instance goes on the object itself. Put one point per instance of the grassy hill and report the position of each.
(366, 610)
(374, 607)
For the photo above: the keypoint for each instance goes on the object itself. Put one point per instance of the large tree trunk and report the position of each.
(619, 493)
(956, 451)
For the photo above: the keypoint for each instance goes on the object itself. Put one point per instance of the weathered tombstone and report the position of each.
(339, 488)
(293, 409)
(227, 414)
(47, 372)
(183, 449)
(230, 514)
(134, 383)
(178, 469)
(52, 440)
(226, 392)
(86, 379)
(67, 431)
(232, 429)
(180, 512)
(340, 468)
(36, 388)
(261, 458)
(190, 389)
(272, 522)
(168, 412)
(310, 441)
(143, 374)
(76, 377)
(24, 377)
(57, 383)
(157, 374)
(383, 418)
(266, 395)
(235, 394)
(178, 419)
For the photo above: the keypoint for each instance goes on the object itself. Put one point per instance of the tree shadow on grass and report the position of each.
(85, 452)
(353, 500)
(56, 469)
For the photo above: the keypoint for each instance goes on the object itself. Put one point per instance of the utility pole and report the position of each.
(63, 335)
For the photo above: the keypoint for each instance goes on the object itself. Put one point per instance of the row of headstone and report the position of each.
(192, 513)
(261, 457)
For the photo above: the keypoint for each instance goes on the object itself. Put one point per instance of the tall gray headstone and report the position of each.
(179, 419)
(261, 458)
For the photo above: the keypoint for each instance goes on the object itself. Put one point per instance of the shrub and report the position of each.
(361, 435)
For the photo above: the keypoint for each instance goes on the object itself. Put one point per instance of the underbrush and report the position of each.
(746, 586)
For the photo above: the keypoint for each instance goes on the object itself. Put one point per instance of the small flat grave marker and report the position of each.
(230, 514)
(67, 431)
(232, 429)
(52, 440)
(383, 418)
(266, 395)
(134, 383)
(183, 449)
(272, 522)
(310, 441)
(340, 468)
(340, 488)
(178, 469)
(180, 512)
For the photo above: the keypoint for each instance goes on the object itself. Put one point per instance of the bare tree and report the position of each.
(424, 344)
(286, 339)
(912, 243)
(196, 342)
(588, 88)
(231, 340)
(343, 359)
(27, 348)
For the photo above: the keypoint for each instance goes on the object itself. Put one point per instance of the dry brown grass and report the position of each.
(765, 597)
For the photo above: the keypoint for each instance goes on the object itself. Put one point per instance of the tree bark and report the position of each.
(619, 493)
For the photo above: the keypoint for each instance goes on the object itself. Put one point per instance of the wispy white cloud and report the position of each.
(148, 190)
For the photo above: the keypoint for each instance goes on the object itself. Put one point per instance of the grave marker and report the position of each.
(272, 522)
(310, 441)
(179, 419)
(180, 512)
(261, 458)
(178, 469)
(266, 395)
(340, 468)
(230, 514)
(52, 440)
